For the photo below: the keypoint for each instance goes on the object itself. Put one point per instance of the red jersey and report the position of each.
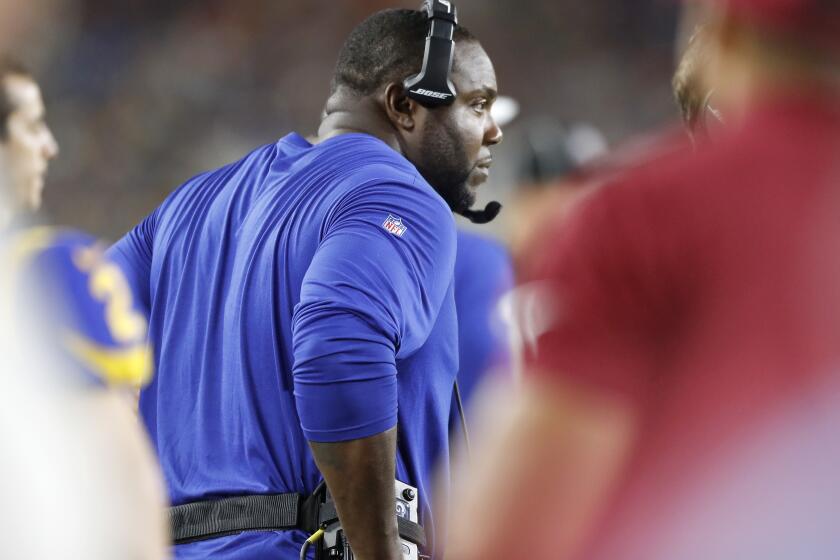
(705, 290)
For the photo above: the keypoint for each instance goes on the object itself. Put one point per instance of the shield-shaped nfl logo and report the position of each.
(394, 225)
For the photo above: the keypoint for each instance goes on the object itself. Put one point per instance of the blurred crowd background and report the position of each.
(143, 94)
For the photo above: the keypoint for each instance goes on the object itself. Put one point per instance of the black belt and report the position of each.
(209, 519)
(216, 518)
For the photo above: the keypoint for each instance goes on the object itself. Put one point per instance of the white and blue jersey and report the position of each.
(78, 306)
(302, 293)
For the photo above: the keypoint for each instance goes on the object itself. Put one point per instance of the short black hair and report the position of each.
(385, 48)
(8, 67)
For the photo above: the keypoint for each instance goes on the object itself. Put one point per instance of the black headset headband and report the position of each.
(432, 87)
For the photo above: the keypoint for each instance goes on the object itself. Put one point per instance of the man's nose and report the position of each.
(50, 148)
(493, 134)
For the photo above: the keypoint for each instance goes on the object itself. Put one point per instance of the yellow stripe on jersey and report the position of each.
(117, 366)
(29, 242)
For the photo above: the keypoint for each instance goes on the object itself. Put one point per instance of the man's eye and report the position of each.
(480, 106)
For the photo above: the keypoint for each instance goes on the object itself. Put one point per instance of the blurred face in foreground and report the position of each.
(27, 145)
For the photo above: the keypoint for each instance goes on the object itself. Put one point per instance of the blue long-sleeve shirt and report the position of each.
(303, 292)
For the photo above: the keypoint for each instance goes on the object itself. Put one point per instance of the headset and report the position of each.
(432, 87)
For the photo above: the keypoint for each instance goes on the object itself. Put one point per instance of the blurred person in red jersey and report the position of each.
(555, 166)
(683, 393)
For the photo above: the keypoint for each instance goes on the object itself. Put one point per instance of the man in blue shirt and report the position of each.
(301, 300)
(483, 346)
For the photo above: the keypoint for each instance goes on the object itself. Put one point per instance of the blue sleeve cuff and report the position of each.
(347, 410)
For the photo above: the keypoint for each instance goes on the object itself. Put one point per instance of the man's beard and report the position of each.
(446, 168)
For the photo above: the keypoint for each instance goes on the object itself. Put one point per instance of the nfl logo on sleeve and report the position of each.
(394, 225)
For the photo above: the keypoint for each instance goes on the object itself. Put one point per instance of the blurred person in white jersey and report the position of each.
(76, 472)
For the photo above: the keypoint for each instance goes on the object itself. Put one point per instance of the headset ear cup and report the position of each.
(432, 87)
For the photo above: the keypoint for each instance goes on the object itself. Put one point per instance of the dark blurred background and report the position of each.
(142, 94)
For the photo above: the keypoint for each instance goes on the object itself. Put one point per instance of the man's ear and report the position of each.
(401, 109)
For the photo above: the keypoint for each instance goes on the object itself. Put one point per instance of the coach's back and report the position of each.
(279, 288)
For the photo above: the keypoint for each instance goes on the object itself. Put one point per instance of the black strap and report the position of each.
(215, 518)
(411, 531)
(197, 521)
